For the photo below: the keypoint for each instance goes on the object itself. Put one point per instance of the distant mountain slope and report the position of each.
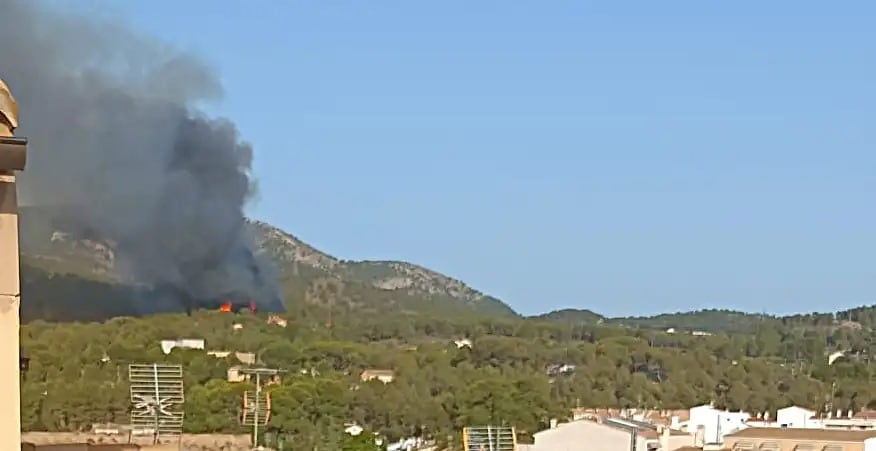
(571, 316)
(308, 275)
(709, 320)
(292, 254)
(71, 277)
(702, 320)
(719, 320)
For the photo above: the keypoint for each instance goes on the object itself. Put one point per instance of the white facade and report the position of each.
(710, 425)
(354, 429)
(586, 435)
(796, 417)
(870, 444)
(188, 343)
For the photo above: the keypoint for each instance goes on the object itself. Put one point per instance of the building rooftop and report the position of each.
(805, 434)
(865, 415)
(375, 372)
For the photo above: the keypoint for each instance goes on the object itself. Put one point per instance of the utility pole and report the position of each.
(256, 412)
(255, 423)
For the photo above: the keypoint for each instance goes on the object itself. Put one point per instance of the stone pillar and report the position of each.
(12, 153)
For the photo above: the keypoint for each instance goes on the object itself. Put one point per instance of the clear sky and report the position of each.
(626, 157)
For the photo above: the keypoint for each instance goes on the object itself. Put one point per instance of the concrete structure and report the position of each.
(463, 343)
(248, 358)
(277, 320)
(12, 158)
(186, 343)
(354, 429)
(835, 356)
(710, 425)
(588, 435)
(795, 417)
(385, 376)
(674, 419)
(234, 374)
(801, 418)
(799, 439)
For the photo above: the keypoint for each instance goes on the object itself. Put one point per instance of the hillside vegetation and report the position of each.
(55, 257)
(344, 317)
(78, 370)
(56, 254)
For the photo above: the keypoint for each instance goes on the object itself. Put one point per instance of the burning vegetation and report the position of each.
(229, 307)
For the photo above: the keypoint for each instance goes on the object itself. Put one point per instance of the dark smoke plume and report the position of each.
(117, 140)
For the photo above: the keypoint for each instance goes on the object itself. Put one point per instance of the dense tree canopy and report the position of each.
(78, 371)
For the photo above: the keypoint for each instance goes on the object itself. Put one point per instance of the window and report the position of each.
(833, 447)
(770, 446)
(743, 446)
(805, 447)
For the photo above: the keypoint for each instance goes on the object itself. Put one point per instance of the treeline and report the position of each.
(78, 371)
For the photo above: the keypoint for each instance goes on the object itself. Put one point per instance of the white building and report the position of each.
(354, 429)
(709, 425)
(796, 417)
(187, 343)
(463, 343)
(586, 435)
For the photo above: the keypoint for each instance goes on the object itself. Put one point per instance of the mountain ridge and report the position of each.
(717, 320)
(311, 276)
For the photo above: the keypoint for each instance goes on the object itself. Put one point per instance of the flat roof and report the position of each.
(825, 435)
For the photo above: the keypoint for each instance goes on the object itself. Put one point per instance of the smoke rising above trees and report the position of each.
(117, 142)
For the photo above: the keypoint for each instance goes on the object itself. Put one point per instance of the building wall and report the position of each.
(714, 424)
(589, 436)
(582, 436)
(870, 444)
(794, 417)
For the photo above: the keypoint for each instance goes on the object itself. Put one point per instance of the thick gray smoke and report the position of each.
(117, 140)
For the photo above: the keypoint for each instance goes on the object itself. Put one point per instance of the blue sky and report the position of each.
(626, 157)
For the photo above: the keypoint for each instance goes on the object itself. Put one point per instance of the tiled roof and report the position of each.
(865, 415)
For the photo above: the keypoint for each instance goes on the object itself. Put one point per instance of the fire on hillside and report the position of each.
(229, 307)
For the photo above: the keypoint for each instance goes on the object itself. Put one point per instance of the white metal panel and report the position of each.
(157, 397)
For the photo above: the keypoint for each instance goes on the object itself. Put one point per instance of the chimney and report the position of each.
(664, 439)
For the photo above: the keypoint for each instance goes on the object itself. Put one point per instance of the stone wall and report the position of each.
(190, 442)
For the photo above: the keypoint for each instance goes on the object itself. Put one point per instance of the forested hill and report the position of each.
(517, 371)
(719, 320)
(459, 357)
(69, 277)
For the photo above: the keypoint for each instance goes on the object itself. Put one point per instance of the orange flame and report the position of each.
(226, 307)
